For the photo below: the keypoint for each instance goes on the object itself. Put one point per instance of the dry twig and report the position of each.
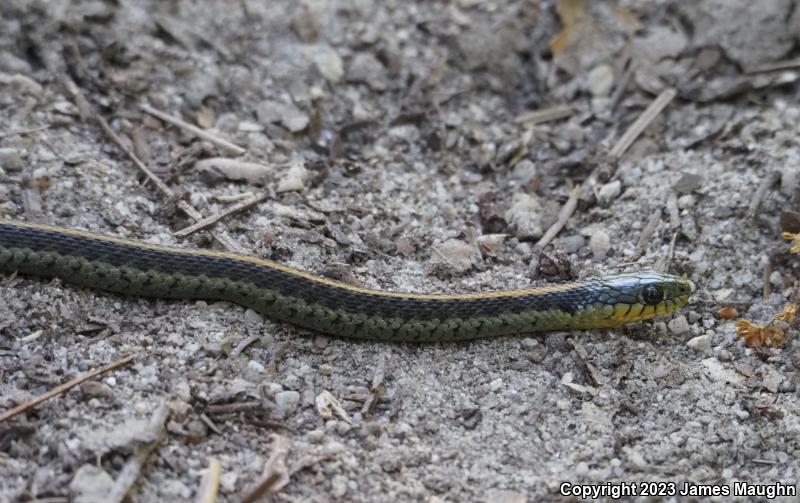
(235, 352)
(545, 114)
(375, 390)
(129, 474)
(594, 373)
(200, 133)
(647, 232)
(63, 388)
(16, 132)
(674, 212)
(563, 216)
(233, 408)
(230, 210)
(640, 124)
(777, 66)
(276, 475)
(663, 262)
(209, 487)
(761, 191)
(211, 424)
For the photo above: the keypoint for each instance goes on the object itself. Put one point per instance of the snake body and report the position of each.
(286, 294)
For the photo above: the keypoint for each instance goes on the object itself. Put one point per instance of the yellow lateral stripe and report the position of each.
(636, 311)
(296, 272)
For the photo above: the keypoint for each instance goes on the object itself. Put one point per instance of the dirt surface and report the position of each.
(392, 144)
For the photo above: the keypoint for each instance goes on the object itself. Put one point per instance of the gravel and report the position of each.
(402, 117)
(679, 325)
(701, 343)
(599, 243)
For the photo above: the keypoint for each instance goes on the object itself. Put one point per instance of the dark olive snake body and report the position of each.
(283, 293)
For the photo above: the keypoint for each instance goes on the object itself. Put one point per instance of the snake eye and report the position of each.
(652, 294)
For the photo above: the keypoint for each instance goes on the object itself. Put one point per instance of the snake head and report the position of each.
(644, 295)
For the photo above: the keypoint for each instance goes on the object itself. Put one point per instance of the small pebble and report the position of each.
(328, 62)
(368, 69)
(253, 317)
(293, 382)
(599, 243)
(342, 428)
(96, 389)
(686, 201)
(295, 179)
(316, 436)
(10, 159)
(701, 343)
(196, 428)
(679, 325)
(635, 457)
(339, 486)
(287, 401)
(789, 175)
(455, 256)
(491, 244)
(273, 388)
(776, 279)
(609, 192)
(227, 481)
(524, 171)
(523, 248)
(724, 355)
(659, 372)
(182, 391)
(689, 228)
(601, 80)
(687, 183)
(525, 214)
(256, 366)
(573, 244)
(90, 483)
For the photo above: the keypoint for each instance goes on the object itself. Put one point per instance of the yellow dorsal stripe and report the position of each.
(292, 271)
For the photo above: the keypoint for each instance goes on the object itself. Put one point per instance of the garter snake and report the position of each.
(283, 293)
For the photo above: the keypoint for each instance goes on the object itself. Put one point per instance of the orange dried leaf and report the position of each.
(756, 336)
(795, 239)
(788, 314)
(570, 12)
(750, 332)
(773, 336)
(728, 313)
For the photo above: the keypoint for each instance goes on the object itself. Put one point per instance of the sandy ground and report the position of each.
(387, 140)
